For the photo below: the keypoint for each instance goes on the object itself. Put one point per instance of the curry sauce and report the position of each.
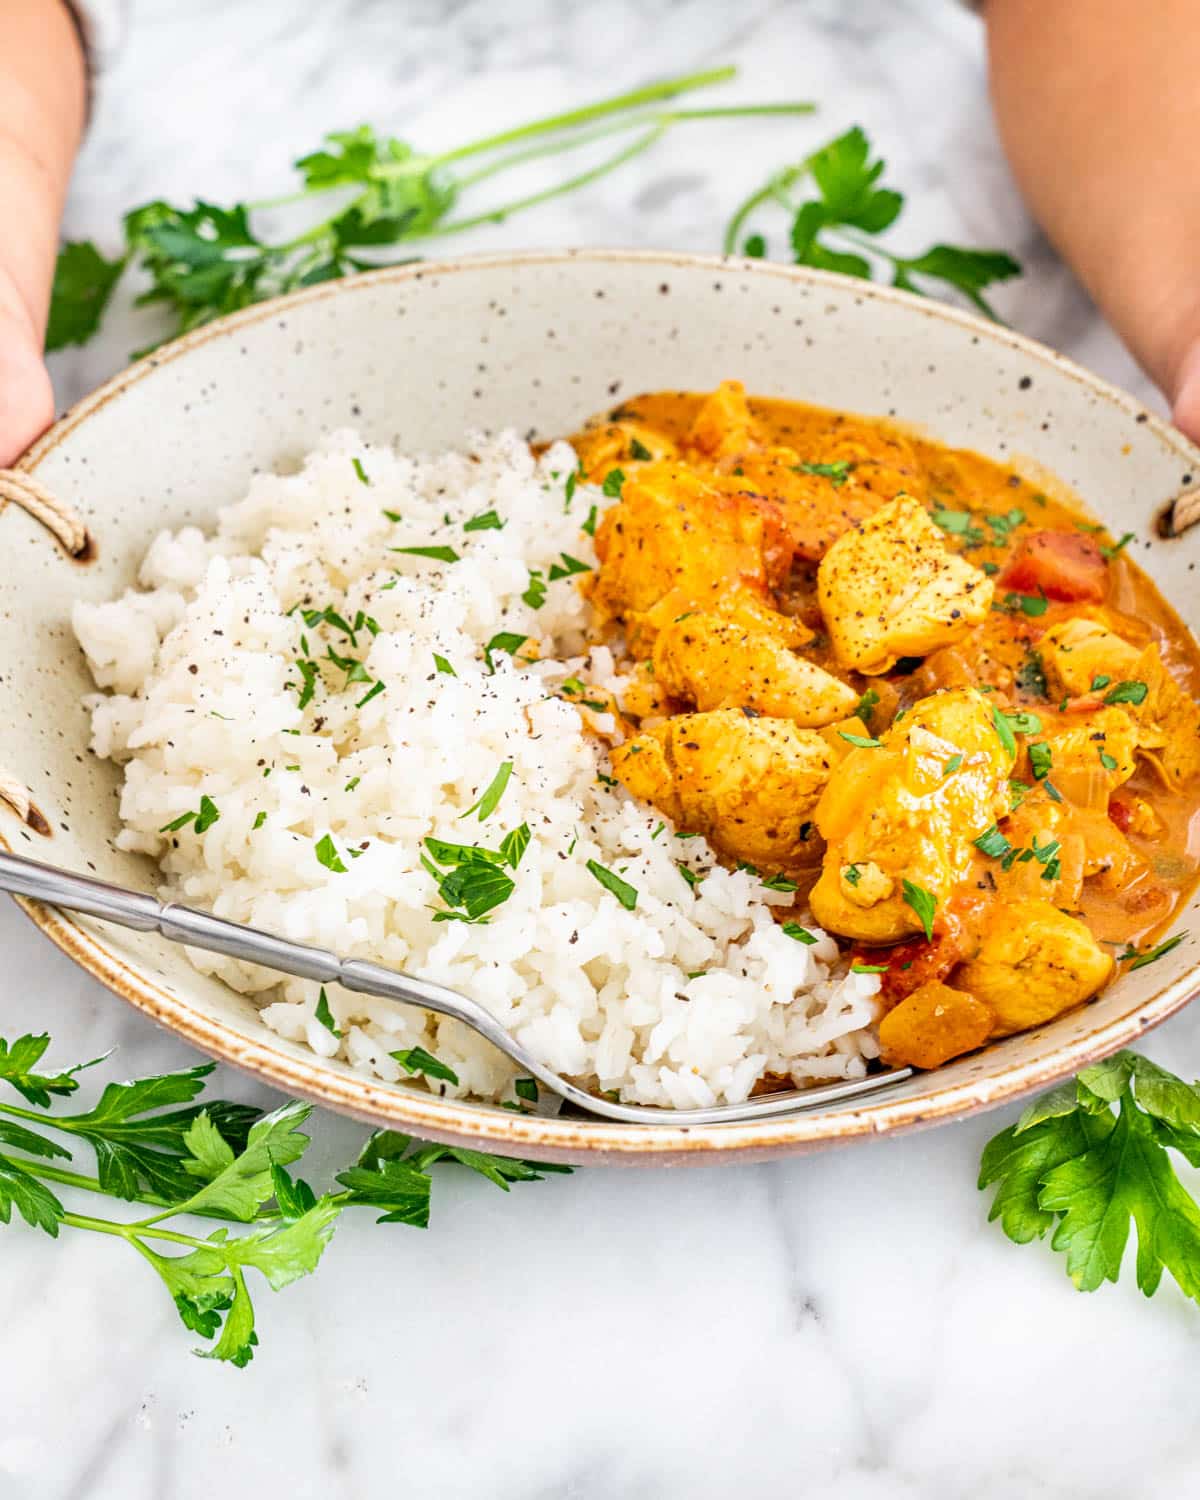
(942, 704)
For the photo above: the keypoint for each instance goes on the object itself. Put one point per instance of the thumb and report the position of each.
(26, 395)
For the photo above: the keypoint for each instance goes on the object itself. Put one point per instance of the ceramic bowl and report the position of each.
(420, 356)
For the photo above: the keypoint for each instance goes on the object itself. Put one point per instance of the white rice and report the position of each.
(203, 699)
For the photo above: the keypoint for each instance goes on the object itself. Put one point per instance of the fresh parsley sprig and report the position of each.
(216, 1160)
(1092, 1158)
(208, 260)
(838, 228)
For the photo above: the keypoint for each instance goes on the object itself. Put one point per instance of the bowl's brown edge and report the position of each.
(555, 1138)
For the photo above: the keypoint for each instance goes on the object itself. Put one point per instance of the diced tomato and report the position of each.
(1120, 812)
(911, 964)
(1066, 565)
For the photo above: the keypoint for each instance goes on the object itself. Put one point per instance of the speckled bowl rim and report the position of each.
(575, 1139)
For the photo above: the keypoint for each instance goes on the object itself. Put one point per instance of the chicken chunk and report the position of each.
(1033, 963)
(908, 810)
(673, 534)
(1078, 651)
(618, 444)
(932, 1025)
(892, 588)
(713, 663)
(749, 784)
(1090, 756)
(724, 427)
(1083, 658)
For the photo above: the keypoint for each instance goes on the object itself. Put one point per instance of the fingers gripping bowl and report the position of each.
(528, 342)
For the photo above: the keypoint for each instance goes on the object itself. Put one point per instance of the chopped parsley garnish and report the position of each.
(393, 516)
(923, 904)
(1030, 604)
(324, 1014)
(1117, 547)
(860, 740)
(535, 593)
(417, 1060)
(374, 692)
(1041, 758)
(327, 855)
(435, 554)
(1099, 682)
(959, 523)
(952, 765)
(527, 1089)
(779, 883)
(573, 479)
(354, 669)
(868, 968)
(1052, 791)
(625, 893)
(513, 845)
(568, 567)
(589, 526)
(658, 830)
(1003, 525)
(639, 450)
(800, 934)
(851, 874)
(837, 473)
(1009, 724)
(360, 471)
(490, 800)
(473, 885)
(689, 875)
(992, 843)
(202, 819)
(308, 672)
(1127, 692)
(1031, 676)
(258, 822)
(505, 640)
(442, 665)
(613, 481)
(487, 521)
(1107, 761)
(352, 783)
(1140, 960)
(866, 706)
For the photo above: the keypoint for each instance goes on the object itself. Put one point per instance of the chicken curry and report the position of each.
(942, 706)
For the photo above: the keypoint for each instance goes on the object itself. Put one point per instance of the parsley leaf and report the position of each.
(325, 1015)
(1127, 692)
(923, 904)
(1072, 1165)
(613, 481)
(327, 855)
(838, 228)
(800, 934)
(83, 283)
(436, 554)
(490, 800)
(417, 1060)
(625, 893)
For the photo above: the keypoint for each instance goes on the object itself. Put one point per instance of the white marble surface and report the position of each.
(844, 1325)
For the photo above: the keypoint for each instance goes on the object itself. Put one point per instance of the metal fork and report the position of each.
(200, 929)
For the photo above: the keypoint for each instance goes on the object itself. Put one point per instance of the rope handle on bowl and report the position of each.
(64, 523)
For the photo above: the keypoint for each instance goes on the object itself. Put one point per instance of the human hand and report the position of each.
(26, 397)
(42, 91)
(1096, 104)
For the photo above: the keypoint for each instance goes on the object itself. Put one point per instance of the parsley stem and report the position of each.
(495, 215)
(773, 188)
(619, 103)
(130, 1232)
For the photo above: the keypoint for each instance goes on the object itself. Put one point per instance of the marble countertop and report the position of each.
(841, 1325)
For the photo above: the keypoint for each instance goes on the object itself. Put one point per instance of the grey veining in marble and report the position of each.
(846, 1325)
